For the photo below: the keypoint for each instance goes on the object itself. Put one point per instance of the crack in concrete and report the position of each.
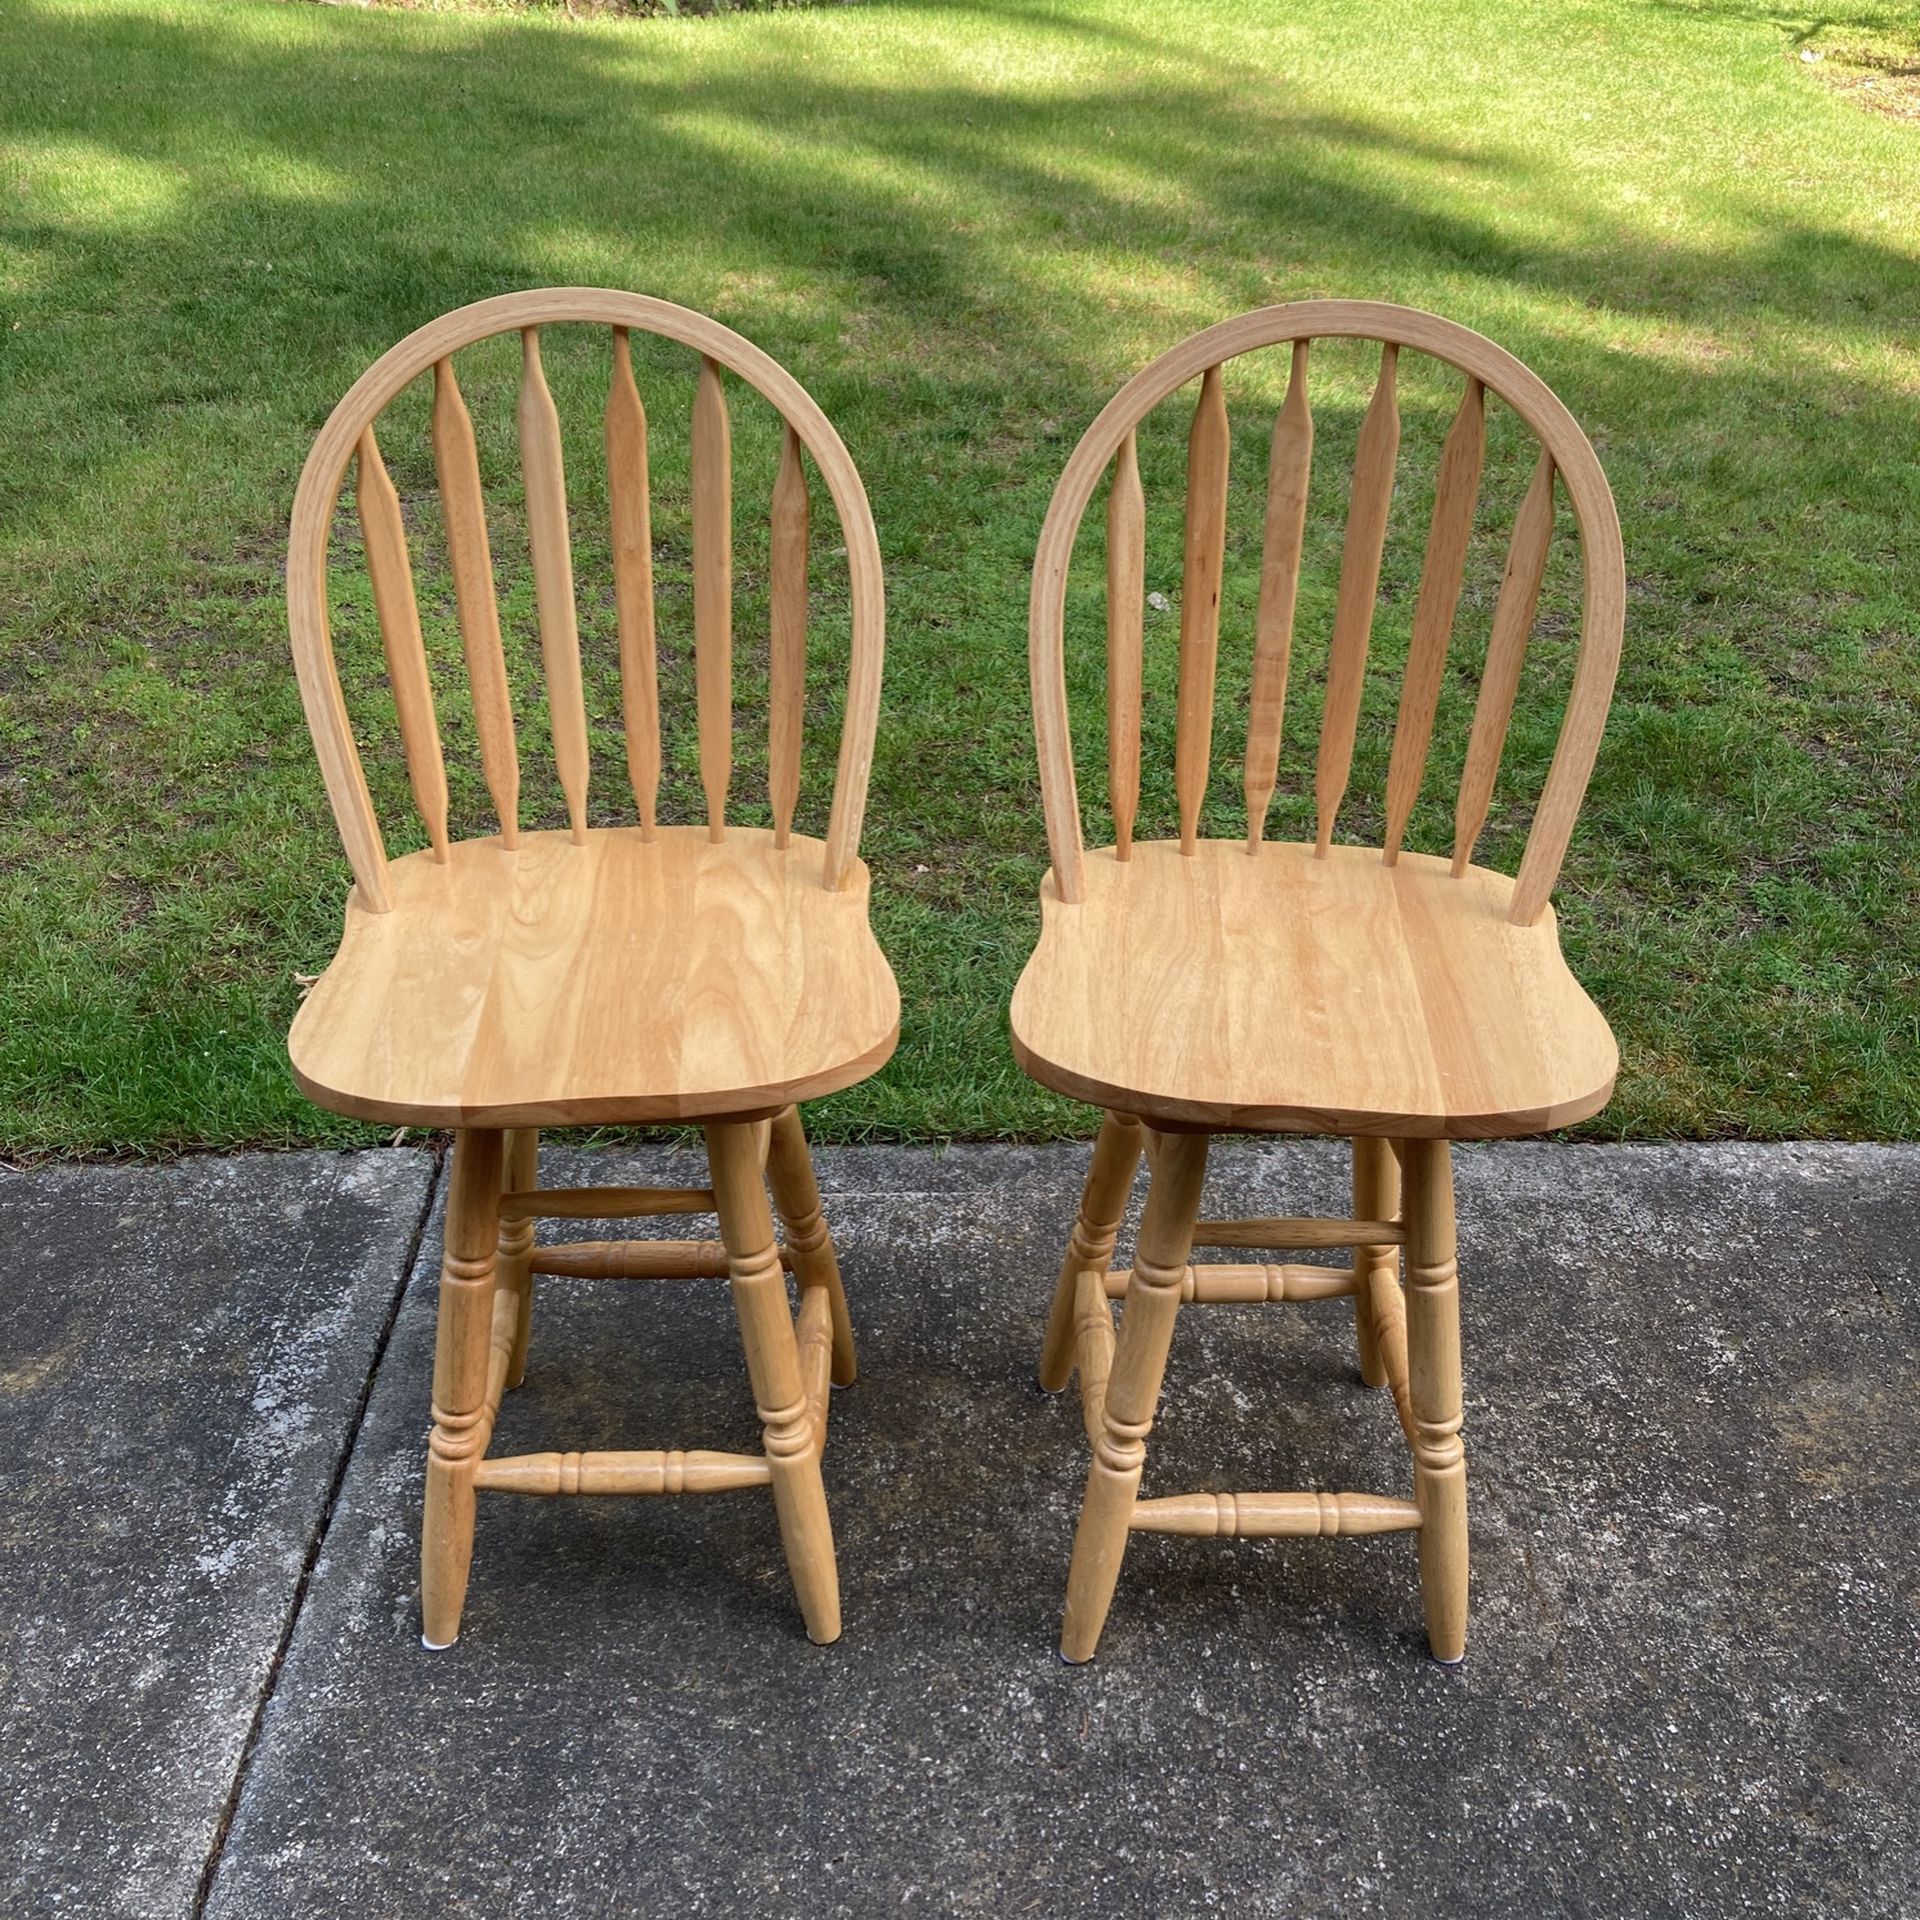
(216, 1849)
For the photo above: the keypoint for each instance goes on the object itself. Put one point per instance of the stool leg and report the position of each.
(1133, 1387)
(1376, 1196)
(460, 1362)
(521, 1175)
(773, 1365)
(815, 1264)
(1433, 1366)
(1103, 1205)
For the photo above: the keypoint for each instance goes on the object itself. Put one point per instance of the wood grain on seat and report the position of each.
(618, 980)
(1336, 995)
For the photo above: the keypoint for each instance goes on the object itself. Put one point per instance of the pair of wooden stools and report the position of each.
(718, 973)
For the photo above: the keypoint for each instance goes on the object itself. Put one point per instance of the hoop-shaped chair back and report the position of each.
(1110, 443)
(349, 435)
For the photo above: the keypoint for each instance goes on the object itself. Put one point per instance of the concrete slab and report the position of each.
(182, 1357)
(1690, 1685)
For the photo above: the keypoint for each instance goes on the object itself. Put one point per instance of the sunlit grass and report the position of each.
(963, 227)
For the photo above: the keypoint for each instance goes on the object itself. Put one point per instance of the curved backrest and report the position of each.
(349, 435)
(1109, 442)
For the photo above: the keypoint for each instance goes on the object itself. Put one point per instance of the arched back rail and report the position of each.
(1566, 457)
(349, 436)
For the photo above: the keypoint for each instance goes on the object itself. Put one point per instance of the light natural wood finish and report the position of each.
(1295, 1232)
(638, 1259)
(544, 473)
(1456, 494)
(463, 511)
(1289, 471)
(461, 1417)
(385, 537)
(789, 1434)
(1366, 543)
(787, 636)
(618, 982)
(432, 346)
(1604, 595)
(629, 502)
(632, 1473)
(1126, 616)
(1227, 1284)
(1133, 1390)
(1376, 1263)
(713, 591)
(602, 1203)
(1103, 1205)
(1208, 450)
(1093, 1344)
(1303, 995)
(513, 1270)
(1506, 651)
(1256, 1516)
(1433, 1355)
(482, 1337)
(809, 1242)
(1391, 997)
(628, 974)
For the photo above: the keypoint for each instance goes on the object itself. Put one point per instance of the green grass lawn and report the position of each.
(963, 226)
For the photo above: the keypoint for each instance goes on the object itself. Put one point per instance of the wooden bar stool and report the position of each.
(1196, 986)
(605, 975)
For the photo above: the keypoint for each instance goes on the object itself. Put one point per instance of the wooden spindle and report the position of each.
(696, 1471)
(638, 1260)
(1208, 446)
(1103, 1206)
(1260, 1516)
(385, 538)
(1301, 1234)
(1288, 469)
(632, 517)
(1506, 650)
(546, 483)
(789, 1437)
(787, 636)
(604, 1203)
(1433, 1362)
(713, 591)
(463, 509)
(1366, 540)
(1219, 1283)
(1455, 496)
(463, 1375)
(1126, 604)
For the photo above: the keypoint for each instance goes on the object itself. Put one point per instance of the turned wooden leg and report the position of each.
(773, 1365)
(1433, 1365)
(460, 1362)
(1103, 1205)
(1133, 1387)
(797, 1194)
(520, 1174)
(1376, 1196)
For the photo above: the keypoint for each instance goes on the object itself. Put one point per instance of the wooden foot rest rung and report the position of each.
(638, 1259)
(621, 1472)
(1305, 1234)
(1252, 1516)
(604, 1203)
(1222, 1283)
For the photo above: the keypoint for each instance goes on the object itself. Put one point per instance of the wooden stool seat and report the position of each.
(1277, 991)
(617, 982)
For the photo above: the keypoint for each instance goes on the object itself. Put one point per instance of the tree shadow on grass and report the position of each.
(961, 269)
